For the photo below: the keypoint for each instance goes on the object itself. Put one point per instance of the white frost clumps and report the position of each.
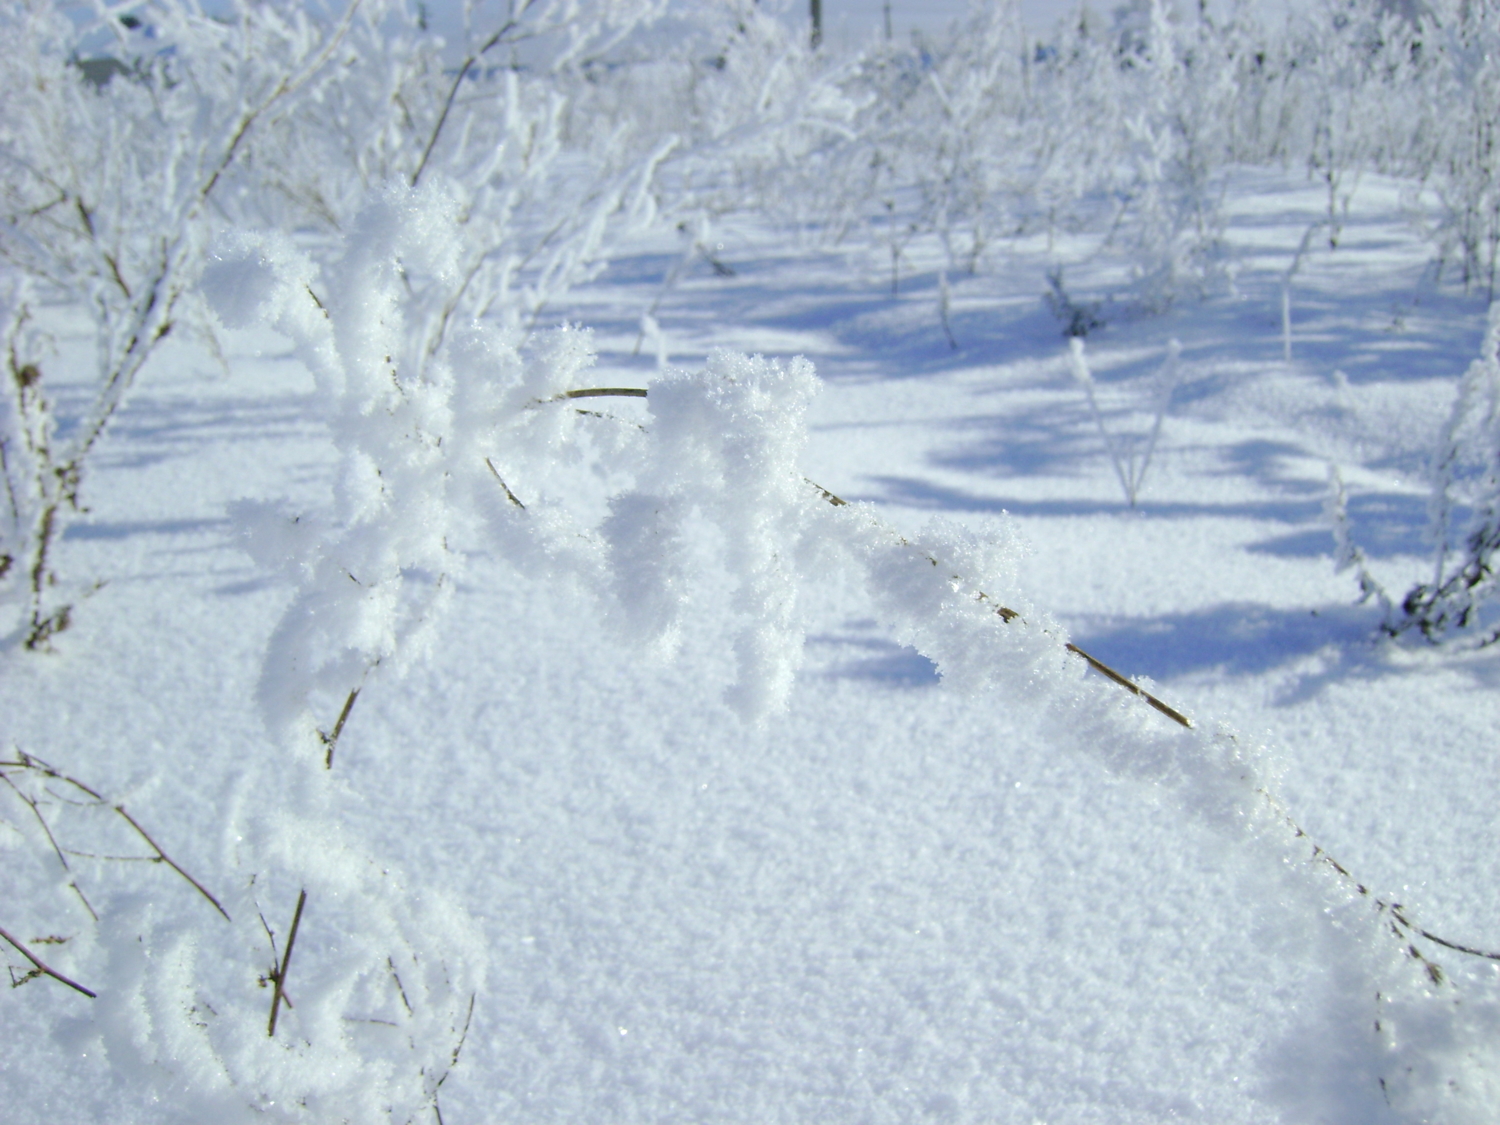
(724, 444)
(375, 569)
(381, 979)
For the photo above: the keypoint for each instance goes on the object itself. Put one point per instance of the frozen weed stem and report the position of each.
(1130, 456)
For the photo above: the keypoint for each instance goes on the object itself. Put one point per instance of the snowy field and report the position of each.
(874, 855)
(896, 900)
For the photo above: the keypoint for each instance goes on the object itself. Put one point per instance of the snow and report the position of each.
(725, 753)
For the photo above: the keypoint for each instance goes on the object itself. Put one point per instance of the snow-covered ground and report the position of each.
(898, 900)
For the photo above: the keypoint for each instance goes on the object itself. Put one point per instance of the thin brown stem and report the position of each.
(463, 72)
(31, 803)
(1105, 670)
(31, 762)
(463, 1035)
(45, 969)
(509, 495)
(286, 961)
(163, 857)
(603, 392)
(331, 740)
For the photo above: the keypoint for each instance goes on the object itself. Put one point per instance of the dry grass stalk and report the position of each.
(331, 739)
(278, 976)
(458, 1047)
(42, 969)
(509, 495)
(31, 763)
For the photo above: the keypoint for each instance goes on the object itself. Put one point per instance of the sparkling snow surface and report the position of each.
(895, 901)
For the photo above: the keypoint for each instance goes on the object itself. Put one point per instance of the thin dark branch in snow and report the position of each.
(31, 803)
(163, 857)
(44, 969)
(35, 765)
(400, 988)
(286, 960)
(509, 495)
(331, 740)
(602, 392)
(1109, 673)
(463, 72)
(1401, 925)
(453, 1059)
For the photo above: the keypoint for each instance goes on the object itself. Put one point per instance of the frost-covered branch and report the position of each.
(105, 199)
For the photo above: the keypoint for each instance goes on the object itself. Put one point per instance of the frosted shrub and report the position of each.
(1462, 151)
(1466, 472)
(1130, 454)
(431, 435)
(374, 571)
(966, 147)
(321, 986)
(380, 980)
(767, 123)
(1178, 88)
(106, 202)
(113, 189)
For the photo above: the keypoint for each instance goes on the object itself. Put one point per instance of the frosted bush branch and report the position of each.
(931, 589)
(105, 199)
(1465, 470)
(1347, 553)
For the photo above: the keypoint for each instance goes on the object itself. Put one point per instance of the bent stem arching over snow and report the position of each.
(936, 591)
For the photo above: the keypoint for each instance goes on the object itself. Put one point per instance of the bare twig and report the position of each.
(270, 977)
(48, 971)
(331, 740)
(286, 960)
(509, 495)
(30, 762)
(1105, 670)
(31, 803)
(602, 392)
(463, 72)
(405, 1003)
(452, 1061)
(163, 857)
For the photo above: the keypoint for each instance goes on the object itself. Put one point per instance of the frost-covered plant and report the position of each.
(231, 1006)
(1178, 86)
(766, 122)
(1461, 145)
(406, 397)
(960, 148)
(1130, 455)
(434, 437)
(1466, 473)
(106, 200)
(1286, 287)
(723, 445)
